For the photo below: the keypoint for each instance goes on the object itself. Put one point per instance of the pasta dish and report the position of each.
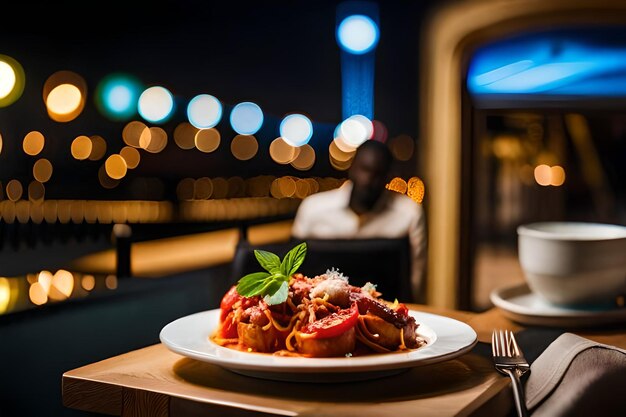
(323, 316)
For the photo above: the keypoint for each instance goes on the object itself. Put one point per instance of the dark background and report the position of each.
(281, 55)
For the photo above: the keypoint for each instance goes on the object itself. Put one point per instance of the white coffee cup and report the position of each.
(574, 263)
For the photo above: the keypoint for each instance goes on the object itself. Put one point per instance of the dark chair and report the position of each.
(384, 262)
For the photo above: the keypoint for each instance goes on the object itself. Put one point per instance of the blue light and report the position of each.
(204, 111)
(575, 62)
(357, 34)
(116, 96)
(246, 118)
(296, 129)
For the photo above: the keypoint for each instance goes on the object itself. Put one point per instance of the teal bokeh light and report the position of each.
(116, 96)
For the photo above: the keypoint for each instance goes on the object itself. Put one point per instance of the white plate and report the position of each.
(190, 336)
(522, 305)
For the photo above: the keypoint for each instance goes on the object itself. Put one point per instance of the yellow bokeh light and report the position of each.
(106, 181)
(154, 140)
(98, 148)
(63, 99)
(33, 143)
(557, 176)
(398, 185)
(236, 187)
(81, 147)
(36, 191)
(22, 211)
(88, 282)
(402, 147)
(185, 189)
(206, 140)
(220, 188)
(203, 188)
(339, 165)
(115, 167)
(37, 294)
(132, 132)
(543, 175)
(14, 190)
(303, 189)
(0, 143)
(184, 135)
(282, 152)
(131, 156)
(45, 280)
(62, 285)
(5, 294)
(110, 282)
(244, 147)
(42, 170)
(305, 159)
(339, 153)
(64, 94)
(416, 189)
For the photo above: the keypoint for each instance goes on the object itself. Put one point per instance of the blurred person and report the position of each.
(362, 208)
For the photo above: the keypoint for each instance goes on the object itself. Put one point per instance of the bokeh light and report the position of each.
(156, 104)
(98, 148)
(42, 170)
(283, 152)
(402, 147)
(14, 190)
(81, 147)
(117, 95)
(204, 111)
(131, 134)
(33, 143)
(543, 175)
(357, 34)
(64, 94)
(207, 140)
(12, 80)
(355, 130)
(296, 129)
(184, 135)
(246, 118)
(115, 166)
(244, 147)
(305, 159)
(131, 156)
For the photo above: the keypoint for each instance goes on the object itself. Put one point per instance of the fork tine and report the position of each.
(516, 351)
(503, 348)
(507, 342)
(494, 343)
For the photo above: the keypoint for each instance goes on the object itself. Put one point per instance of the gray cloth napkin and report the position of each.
(575, 376)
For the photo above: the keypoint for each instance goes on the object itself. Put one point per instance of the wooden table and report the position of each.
(154, 381)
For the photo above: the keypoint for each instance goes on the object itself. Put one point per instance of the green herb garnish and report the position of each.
(273, 283)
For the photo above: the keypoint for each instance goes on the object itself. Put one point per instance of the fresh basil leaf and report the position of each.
(293, 259)
(251, 284)
(280, 294)
(268, 260)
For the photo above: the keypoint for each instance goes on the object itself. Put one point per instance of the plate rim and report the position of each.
(323, 365)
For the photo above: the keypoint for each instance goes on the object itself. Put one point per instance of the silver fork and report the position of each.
(510, 361)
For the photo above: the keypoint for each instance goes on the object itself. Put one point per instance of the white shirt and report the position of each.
(327, 215)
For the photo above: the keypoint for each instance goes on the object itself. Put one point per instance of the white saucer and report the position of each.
(518, 303)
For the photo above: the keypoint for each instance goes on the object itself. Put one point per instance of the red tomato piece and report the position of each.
(402, 309)
(228, 330)
(230, 298)
(334, 324)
